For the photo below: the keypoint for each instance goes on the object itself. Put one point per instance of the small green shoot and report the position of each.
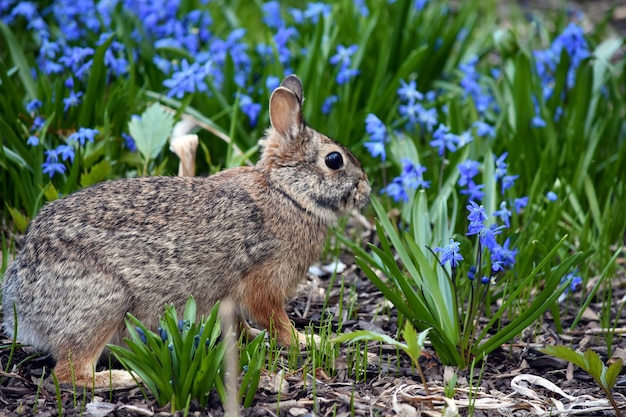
(449, 390)
(57, 390)
(413, 346)
(184, 360)
(590, 362)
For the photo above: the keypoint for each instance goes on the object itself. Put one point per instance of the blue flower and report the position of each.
(26, 9)
(484, 129)
(575, 284)
(474, 191)
(420, 4)
(504, 214)
(520, 203)
(551, 196)
(476, 217)
(315, 10)
(450, 253)
(65, 152)
(501, 166)
(468, 169)
(163, 64)
(38, 123)
(396, 190)
(508, 181)
(83, 135)
(412, 111)
(249, 108)
(471, 273)
(74, 58)
(141, 334)
(443, 140)
(328, 104)
(378, 135)
(343, 55)
(346, 74)
(465, 138)
(129, 142)
(343, 59)
(32, 140)
(502, 257)
(537, 122)
(412, 176)
(408, 92)
(272, 82)
(487, 237)
(33, 105)
(282, 36)
(189, 79)
(162, 333)
(73, 100)
(375, 128)
(471, 85)
(271, 15)
(362, 8)
(428, 118)
(52, 164)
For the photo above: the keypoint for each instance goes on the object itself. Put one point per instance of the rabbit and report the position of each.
(246, 235)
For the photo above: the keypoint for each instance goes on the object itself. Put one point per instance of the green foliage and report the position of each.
(184, 360)
(590, 362)
(413, 346)
(424, 292)
(150, 132)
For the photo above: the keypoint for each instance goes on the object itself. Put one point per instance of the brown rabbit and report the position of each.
(246, 234)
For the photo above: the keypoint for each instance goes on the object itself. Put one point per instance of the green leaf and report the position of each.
(594, 364)
(414, 341)
(367, 336)
(612, 372)
(151, 131)
(20, 220)
(98, 173)
(20, 61)
(567, 354)
(92, 104)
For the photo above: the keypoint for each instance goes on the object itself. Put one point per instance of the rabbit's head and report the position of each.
(321, 175)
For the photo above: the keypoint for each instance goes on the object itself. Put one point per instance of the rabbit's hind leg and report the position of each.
(76, 364)
(83, 329)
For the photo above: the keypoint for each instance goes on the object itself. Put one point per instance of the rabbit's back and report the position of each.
(152, 241)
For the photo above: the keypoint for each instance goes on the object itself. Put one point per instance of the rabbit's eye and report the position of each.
(334, 160)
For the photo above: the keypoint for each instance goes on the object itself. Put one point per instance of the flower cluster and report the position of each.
(65, 152)
(573, 43)
(416, 108)
(343, 60)
(473, 89)
(411, 178)
(378, 134)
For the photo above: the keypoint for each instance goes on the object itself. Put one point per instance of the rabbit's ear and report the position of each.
(286, 111)
(293, 83)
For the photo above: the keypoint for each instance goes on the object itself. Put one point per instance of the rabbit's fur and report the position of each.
(246, 234)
